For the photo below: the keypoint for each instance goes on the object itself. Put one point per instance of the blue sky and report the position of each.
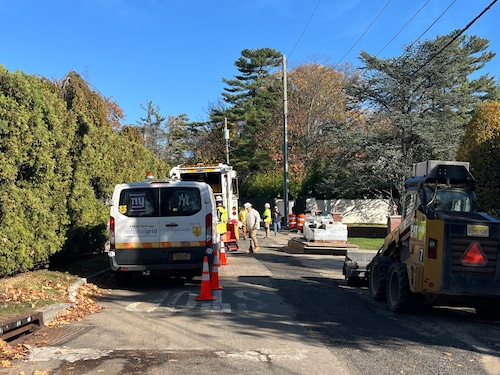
(176, 52)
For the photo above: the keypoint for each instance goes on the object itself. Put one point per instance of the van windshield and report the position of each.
(155, 202)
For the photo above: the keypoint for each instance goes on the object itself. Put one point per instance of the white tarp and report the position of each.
(323, 228)
(354, 211)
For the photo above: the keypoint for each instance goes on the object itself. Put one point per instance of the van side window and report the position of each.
(180, 201)
(139, 203)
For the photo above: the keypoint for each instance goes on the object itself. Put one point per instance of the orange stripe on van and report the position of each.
(183, 244)
(149, 245)
(136, 245)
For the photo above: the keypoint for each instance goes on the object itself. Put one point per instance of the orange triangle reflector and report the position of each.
(474, 256)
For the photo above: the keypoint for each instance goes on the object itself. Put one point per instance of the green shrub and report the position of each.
(59, 161)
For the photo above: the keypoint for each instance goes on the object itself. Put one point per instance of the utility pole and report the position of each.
(226, 137)
(285, 140)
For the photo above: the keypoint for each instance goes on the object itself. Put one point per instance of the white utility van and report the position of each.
(162, 227)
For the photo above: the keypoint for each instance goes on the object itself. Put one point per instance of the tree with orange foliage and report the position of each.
(115, 113)
(316, 104)
(481, 147)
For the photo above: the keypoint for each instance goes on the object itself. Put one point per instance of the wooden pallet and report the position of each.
(300, 246)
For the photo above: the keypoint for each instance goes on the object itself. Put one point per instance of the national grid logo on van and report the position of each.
(140, 232)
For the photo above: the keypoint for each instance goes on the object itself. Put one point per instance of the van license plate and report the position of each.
(181, 256)
(478, 230)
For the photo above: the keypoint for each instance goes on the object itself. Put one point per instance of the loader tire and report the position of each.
(378, 276)
(399, 295)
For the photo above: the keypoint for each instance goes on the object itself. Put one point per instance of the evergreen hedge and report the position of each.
(59, 161)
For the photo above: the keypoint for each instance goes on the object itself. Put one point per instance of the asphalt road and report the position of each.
(278, 313)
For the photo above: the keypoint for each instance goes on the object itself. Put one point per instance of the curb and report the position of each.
(40, 318)
(50, 312)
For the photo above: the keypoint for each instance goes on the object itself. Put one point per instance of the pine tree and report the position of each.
(418, 104)
(153, 128)
(253, 97)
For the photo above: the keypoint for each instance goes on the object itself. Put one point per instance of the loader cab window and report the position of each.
(452, 200)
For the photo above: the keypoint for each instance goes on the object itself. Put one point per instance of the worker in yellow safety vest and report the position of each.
(243, 222)
(221, 216)
(267, 218)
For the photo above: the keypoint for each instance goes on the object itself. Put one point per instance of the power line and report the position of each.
(305, 28)
(454, 38)
(404, 27)
(432, 24)
(362, 35)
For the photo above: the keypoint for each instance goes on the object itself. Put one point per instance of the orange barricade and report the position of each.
(300, 222)
(232, 235)
(292, 220)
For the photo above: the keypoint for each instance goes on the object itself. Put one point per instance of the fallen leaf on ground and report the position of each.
(85, 304)
(10, 352)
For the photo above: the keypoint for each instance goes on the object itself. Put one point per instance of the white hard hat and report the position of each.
(246, 205)
(218, 198)
(267, 205)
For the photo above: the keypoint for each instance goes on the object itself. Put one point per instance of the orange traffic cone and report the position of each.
(206, 292)
(214, 276)
(223, 259)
